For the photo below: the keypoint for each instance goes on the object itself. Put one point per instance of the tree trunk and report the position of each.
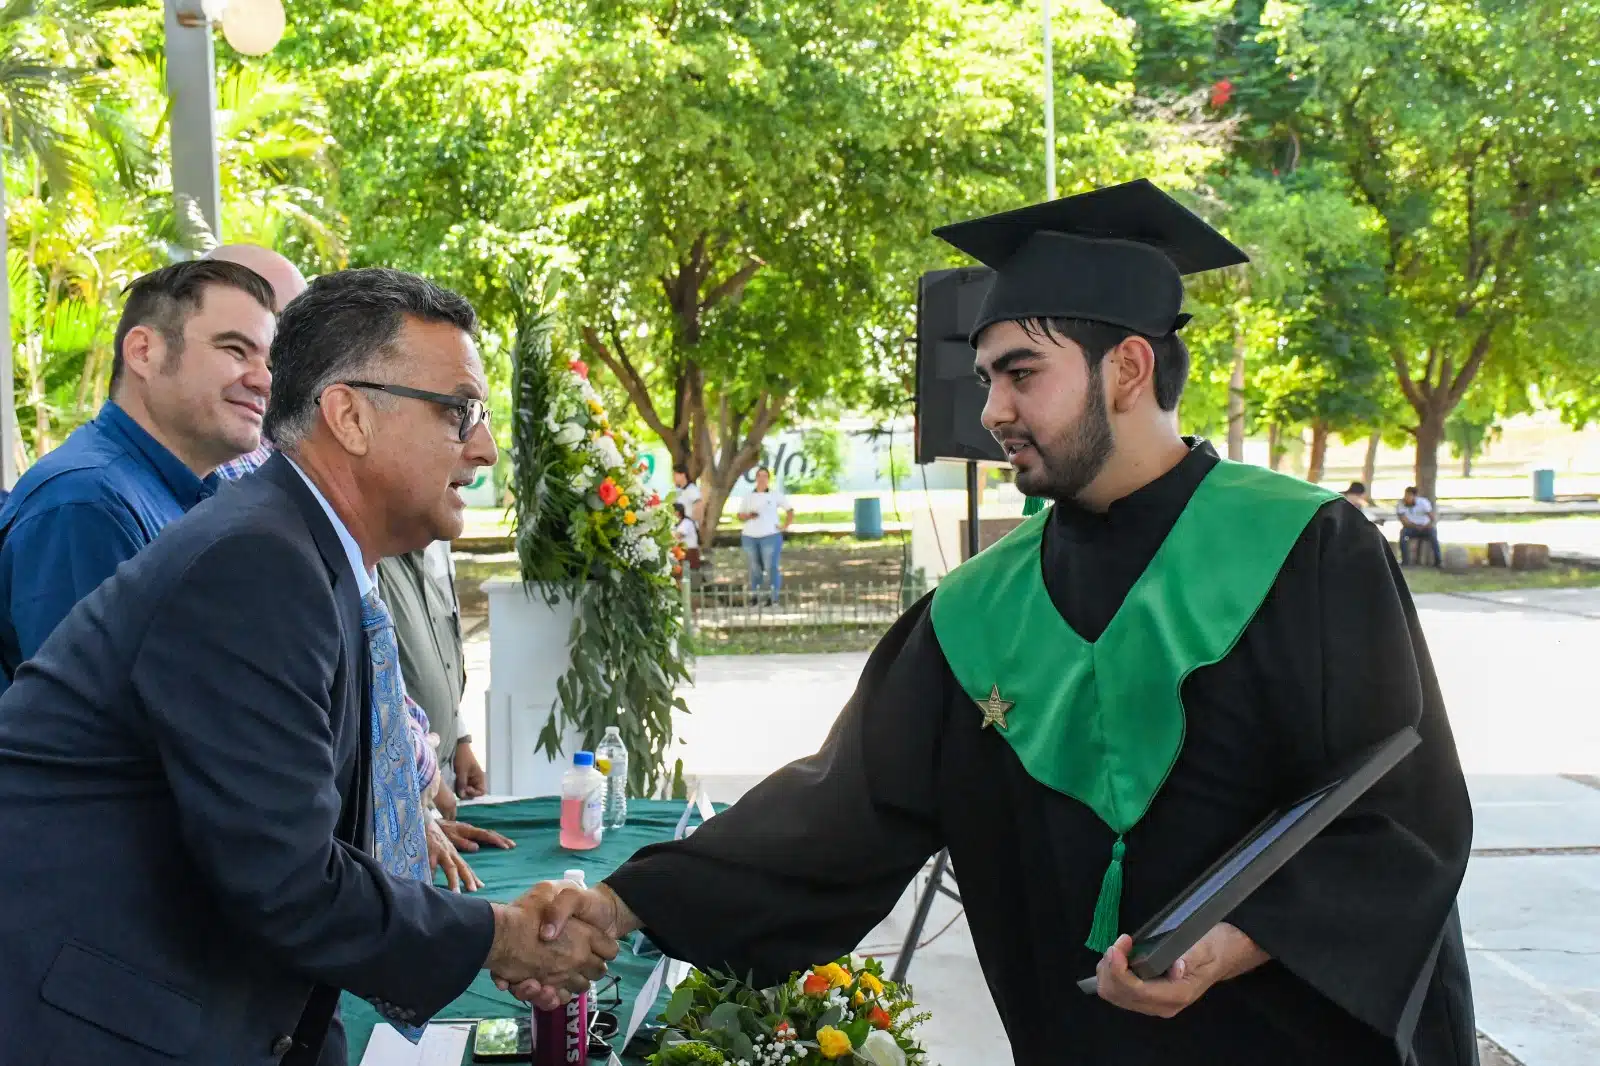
(1236, 401)
(1430, 434)
(1369, 465)
(1319, 451)
(1466, 462)
(1274, 454)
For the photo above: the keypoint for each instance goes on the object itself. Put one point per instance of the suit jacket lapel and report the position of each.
(356, 826)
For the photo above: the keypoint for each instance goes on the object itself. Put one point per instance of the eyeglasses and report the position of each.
(472, 412)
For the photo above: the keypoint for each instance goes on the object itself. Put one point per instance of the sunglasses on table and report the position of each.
(472, 412)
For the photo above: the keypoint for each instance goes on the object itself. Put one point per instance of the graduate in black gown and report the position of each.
(1350, 955)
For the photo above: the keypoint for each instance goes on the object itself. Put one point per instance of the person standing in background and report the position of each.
(189, 385)
(762, 537)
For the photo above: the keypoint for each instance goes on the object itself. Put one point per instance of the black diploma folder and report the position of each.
(1212, 896)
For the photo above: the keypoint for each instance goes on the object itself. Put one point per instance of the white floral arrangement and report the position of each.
(588, 529)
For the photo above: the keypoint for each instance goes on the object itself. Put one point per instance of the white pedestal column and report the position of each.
(528, 654)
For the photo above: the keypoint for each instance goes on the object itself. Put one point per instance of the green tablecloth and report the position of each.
(535, 826)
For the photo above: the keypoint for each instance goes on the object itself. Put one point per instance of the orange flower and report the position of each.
(815, 984)
(879, 1017)
(608, 492)
(579, 367)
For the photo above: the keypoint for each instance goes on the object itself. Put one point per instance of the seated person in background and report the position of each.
(1357, 495)
(1418, 524)
(686, 533)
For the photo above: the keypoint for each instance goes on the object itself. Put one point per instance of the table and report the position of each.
(535, 826)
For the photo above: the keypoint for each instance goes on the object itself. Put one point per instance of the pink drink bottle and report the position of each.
(582, 804)
(561, 1036)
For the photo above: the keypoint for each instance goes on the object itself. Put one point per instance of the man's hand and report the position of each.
(471, 781)
(467, 837)
(445, 801)
(561, 966)
(443, 853)
(560, 906)
(1223, 953)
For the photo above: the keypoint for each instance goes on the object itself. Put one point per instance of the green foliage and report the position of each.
(714, 1017)
(586, 534)
(1466, 129)
(824, 452)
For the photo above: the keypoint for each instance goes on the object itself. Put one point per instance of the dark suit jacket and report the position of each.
(185, 810)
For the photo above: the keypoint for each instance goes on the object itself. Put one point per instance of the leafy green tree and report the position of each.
(748, 192)
(1466, 127)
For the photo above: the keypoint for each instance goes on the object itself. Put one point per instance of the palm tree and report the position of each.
(36, 91)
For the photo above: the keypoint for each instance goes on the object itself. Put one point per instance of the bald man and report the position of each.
(285, 278)
(287, 282)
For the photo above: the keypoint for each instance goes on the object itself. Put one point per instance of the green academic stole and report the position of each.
(1103, 722)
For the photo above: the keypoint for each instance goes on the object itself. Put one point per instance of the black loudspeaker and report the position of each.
(949, 398)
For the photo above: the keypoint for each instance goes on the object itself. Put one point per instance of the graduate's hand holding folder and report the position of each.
(1187, 947)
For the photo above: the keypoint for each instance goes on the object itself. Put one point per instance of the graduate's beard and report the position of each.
(1068, 463)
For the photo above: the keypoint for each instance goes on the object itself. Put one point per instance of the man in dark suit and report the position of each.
(187, 766)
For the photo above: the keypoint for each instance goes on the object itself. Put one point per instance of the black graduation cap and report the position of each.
(1113, 255)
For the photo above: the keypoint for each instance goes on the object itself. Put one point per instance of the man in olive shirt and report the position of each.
(419, 589)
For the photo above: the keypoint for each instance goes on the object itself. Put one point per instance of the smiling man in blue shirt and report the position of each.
(189, 386)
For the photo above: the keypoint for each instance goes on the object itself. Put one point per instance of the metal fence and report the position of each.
(836, 616)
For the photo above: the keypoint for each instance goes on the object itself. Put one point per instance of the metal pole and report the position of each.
(192, 90)
(972, 509)
(1049, 111)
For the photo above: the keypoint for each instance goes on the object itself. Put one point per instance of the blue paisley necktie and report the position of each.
(400, 834)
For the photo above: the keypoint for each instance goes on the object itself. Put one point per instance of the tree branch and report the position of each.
(733, 285)
(1414, 395)
(631, 382)
(1469, 370)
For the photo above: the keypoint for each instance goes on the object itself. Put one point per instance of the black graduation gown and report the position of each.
(1368, 963)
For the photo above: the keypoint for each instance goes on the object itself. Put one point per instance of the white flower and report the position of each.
(551, 424)
(880, 1049)
(605, 450)
(569, 434)
(580, 481)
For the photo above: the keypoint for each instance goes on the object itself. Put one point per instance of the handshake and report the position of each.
(555, 939)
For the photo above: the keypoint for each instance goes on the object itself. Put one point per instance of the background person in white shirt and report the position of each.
(762, 537)
(687, 534)
(1417, 523)
(688, 494)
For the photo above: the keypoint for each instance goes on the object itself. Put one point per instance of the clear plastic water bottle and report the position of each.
(615, 758)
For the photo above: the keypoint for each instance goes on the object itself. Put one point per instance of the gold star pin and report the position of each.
(994, 708)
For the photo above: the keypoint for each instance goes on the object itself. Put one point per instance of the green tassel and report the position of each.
(1107, 909)
(1032, 505)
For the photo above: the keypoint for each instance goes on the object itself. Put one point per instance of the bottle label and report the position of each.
(593, 808)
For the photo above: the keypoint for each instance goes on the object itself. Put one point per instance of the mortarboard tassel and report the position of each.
(1032, 505)
(1107, 909)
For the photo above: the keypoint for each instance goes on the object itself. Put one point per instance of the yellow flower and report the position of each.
(871, 983)
(859, 999)
(622, 501)
(838, 976)
(834, 1044)
(629, 518)
(595, 407)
